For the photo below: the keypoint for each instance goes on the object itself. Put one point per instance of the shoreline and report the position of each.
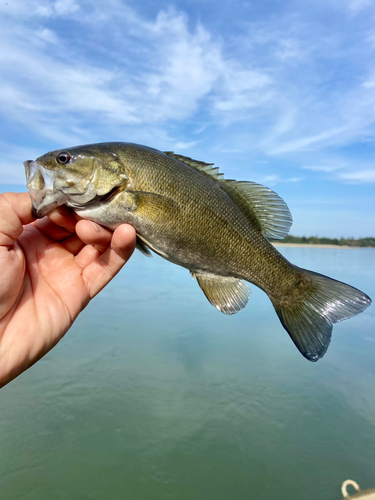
(311, 245)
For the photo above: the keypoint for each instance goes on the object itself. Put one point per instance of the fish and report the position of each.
(186, 211)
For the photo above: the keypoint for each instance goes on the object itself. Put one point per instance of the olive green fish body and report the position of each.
(186, 212)
(221, 240)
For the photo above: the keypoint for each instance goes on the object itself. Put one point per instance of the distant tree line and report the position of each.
(314, 240)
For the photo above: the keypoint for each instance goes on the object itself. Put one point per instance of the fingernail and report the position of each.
(98, 228)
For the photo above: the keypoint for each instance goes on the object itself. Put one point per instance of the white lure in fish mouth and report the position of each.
(40, 183)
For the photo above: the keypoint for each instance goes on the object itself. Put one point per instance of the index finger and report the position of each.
(15, 212)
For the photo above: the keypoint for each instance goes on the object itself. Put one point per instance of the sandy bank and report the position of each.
(306, 245)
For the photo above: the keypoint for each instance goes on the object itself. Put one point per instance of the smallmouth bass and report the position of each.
(185, 211)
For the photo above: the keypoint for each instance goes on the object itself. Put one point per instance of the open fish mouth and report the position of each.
(40, 183)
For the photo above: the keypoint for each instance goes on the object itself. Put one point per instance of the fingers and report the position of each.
(87, 255)
(123, 241)
(15, 211)
(73, 244)
(52, 230)
(94, 234)
(59, 226)
(64, 217)
(99, 272)
(98, 240)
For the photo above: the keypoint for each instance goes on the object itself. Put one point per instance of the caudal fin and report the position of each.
(309, 320)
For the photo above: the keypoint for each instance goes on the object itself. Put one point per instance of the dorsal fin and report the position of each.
(262, 206)
(198, 165)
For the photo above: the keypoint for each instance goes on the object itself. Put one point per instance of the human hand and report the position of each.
(50, 269)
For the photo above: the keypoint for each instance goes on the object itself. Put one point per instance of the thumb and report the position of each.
(15, 211)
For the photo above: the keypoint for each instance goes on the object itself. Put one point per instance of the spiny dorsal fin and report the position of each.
(262, 206)
(198, 165)
(228, 295)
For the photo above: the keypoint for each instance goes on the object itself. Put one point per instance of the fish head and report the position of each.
(74, 177)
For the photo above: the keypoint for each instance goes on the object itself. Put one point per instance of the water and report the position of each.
(153, 394)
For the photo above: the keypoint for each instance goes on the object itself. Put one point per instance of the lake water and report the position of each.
(155, 395)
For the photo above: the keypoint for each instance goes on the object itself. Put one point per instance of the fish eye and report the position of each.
(64, 158)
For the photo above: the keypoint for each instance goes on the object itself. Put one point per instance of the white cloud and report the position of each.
(306, 143)
(276, 87)
(360, 176)
(20, 9)
(369, 83)
(47, 35)
(343, 170)
(240, 92)
(289, 48)
(65, 7)
(323, 168)
(179, 67)
(273, 179)
(179, 146)
(358, 5)
(60, 8)
(278, 96)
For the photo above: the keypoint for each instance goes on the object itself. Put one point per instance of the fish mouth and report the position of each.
(40, 183)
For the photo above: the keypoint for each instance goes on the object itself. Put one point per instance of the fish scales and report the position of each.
(186, 212)
(228, 238)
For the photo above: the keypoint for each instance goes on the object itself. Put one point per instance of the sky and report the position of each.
(277, 92)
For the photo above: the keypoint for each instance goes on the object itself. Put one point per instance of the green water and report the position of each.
(153, 394)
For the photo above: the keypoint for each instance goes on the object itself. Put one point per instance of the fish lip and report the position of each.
(31, 168)
(46, 199)
(34, 212)
(34, 167)
(45, 205)
(45, 202)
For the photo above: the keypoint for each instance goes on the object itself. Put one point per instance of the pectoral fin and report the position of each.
(142, 247)
(154, 205)
(228, 295)
(145, 247)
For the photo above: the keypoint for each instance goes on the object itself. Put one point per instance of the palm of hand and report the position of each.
(50, 271)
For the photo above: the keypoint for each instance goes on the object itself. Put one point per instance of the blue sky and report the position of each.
(281, 93)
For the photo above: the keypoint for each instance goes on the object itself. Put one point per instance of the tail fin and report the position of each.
(309, 320)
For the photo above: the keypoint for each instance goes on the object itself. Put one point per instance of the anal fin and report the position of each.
(228, 295)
